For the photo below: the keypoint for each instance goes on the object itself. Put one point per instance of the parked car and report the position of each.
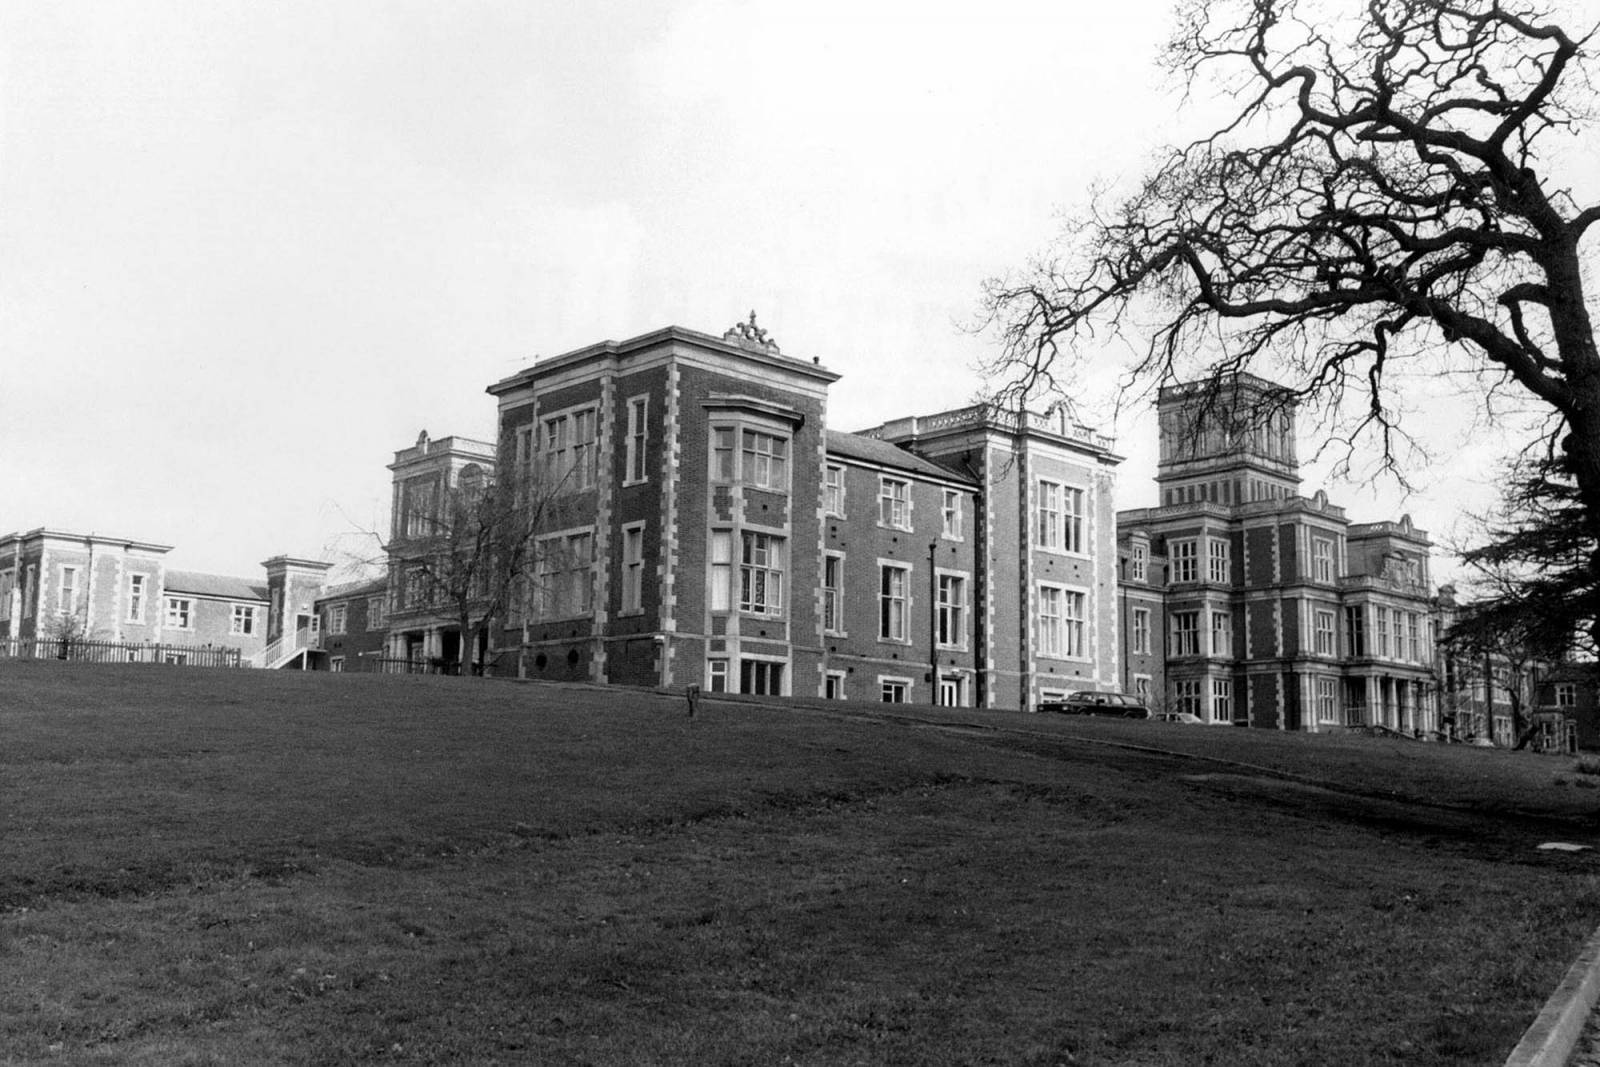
(1184, 717)
(1086, 703)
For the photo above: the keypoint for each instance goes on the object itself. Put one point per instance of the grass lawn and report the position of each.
(241, 867)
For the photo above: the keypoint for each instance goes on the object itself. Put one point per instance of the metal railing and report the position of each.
(77, 650)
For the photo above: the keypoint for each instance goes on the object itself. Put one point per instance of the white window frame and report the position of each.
(894, 605)
(893, 683)
(1063, 621)
(1141, 687)
(1221, 633)
(1140, 637)
(1139, 562)
(569, 440)
(1185, 640)
(953, 514)
(951, 615)
(833, 490)
(565, 587)
(377, 611)
(1325, 638)
(894, 502)
(1322, 568)
(1566, 694)
(1183, 558)
(719, 562)
(635, 444)
(8, 582)
(764, 459)
(833, 595)
(1187, 697)
(834, 680)
(717, 674)
(1219, 560)
(180, 612)
(1220, 707)
(632, 569)
(338, 618)
(138, 596)
(242, 620)
(779, 662)
(761, 572)
(1325, 698)
(67, 602)
(30, 590)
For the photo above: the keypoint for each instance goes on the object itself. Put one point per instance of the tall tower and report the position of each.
(1228, 443)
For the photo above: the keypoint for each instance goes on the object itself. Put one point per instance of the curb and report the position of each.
(1554, 1035)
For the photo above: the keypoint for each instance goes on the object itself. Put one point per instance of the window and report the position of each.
(950, 692)
(717, 675)
(1186, 633)
(1324, 633)
(952, 514)
(634, 444)
(1050, 638)
(179, 613)
(243, 620)
(8, 581)
(419, 506)
(1322, 559)
(894, 582)
(1567, 695)
(833, 685)
(1222, 633)
(1049, 516)
(1141, 629)
(1412, 629)
(1355, 625)
(1383, 631)
(952, 611)
(833, 490)
(1186, 697)
(136, 597)
(1218, 559)
(893, 690)
(565, 567)
(569, 449)
(375, 613)
(633, 567)
(894, 503)
(1139, 562)
(1327, 700)
(1141, 688)
(30, 586)
(1221, 700)
(336, 664)
(1061, 622)
(68, 601)
(338, 618)
(761, 574)
(833, 593)
(765, 458)
(1185, 562)
(761, 676)
(722, 454)
(721, 570)
(1400, 651)
(1072, 512)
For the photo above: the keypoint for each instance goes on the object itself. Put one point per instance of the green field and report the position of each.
(250, 867)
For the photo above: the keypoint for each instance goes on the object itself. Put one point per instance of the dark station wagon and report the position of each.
(1116, 704)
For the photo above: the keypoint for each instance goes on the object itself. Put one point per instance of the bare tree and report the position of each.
(472, 555)
(1379, 193)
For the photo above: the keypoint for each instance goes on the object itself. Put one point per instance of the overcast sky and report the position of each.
(248, 250)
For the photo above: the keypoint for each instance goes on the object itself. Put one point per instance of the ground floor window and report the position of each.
(1186, 697)
(336, 664)
(717, 676)
(1221, 700)
(1327, 700)
(833, 685)
(762, 677)
(894, 690)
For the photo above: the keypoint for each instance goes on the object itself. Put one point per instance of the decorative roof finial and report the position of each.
(750, 335)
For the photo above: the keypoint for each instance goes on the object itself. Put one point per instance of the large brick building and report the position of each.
(713, 531)
(1280, 612)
